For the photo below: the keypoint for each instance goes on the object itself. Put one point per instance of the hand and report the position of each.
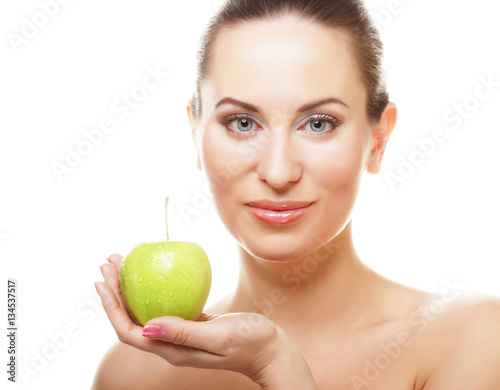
(247, 343)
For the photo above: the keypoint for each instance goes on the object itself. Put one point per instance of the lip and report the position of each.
(278, 212)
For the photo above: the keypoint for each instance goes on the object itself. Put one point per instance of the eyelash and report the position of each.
(333, 121)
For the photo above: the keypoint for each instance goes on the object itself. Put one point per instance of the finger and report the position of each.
(222, 343)
(211, 336)
(128, 332)
(177, 354)
(115, 259)
(112, 279)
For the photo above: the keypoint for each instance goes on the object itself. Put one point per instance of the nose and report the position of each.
(279, 163)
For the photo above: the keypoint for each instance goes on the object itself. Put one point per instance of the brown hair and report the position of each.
(349, 15)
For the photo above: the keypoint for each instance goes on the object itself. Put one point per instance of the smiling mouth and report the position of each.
(280, 212)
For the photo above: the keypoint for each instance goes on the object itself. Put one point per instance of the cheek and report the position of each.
(224, 160)
(338, 171)
(339, 166)
(214, 161)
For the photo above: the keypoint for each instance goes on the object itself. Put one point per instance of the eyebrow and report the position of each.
(305, 107)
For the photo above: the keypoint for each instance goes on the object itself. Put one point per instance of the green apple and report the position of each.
(166, 278)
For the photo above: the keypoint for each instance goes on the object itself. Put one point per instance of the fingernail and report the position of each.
(100, 267)
(152, 331)
(96, 288)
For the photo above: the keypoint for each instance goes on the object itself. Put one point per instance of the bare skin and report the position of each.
(340, 325)
(414, 347)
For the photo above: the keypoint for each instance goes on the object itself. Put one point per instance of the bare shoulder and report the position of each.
(125, 367)
(461, 344)
(452, 338)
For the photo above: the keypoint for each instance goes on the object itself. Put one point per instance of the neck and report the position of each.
(323, 288)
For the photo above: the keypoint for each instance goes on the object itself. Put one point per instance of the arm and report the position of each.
(246, 343)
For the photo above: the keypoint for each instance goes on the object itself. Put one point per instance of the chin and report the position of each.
(280, 249)
(297, 244)
(274, 257)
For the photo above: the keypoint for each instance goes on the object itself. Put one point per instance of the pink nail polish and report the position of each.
(152, 331)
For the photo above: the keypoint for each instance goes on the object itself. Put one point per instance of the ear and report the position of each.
(193, 124)
(381, 134)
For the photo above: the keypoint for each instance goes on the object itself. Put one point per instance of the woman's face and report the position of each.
(284, 137)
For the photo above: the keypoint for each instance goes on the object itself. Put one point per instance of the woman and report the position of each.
(292, 108)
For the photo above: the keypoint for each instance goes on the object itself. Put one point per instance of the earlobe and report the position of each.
(198, 161)
(189, 112)
(381, 136)
(193, 126)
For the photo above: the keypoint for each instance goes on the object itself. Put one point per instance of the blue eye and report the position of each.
(321, 124)
(239, 124)
(317, 125)
(244, 124)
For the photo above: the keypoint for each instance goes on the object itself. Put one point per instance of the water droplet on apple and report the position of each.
(147, 301)
(158, 261)
(140, 278)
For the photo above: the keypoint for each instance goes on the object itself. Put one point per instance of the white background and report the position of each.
(440, 224)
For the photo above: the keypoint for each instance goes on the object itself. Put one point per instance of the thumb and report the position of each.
(179, 331)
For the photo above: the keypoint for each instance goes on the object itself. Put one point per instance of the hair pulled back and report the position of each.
(349, 15)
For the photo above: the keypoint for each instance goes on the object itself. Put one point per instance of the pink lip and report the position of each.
(280, 212)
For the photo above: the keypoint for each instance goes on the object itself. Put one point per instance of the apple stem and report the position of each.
(166, 215)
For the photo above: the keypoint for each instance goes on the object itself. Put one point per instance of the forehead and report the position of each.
(286, 59)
